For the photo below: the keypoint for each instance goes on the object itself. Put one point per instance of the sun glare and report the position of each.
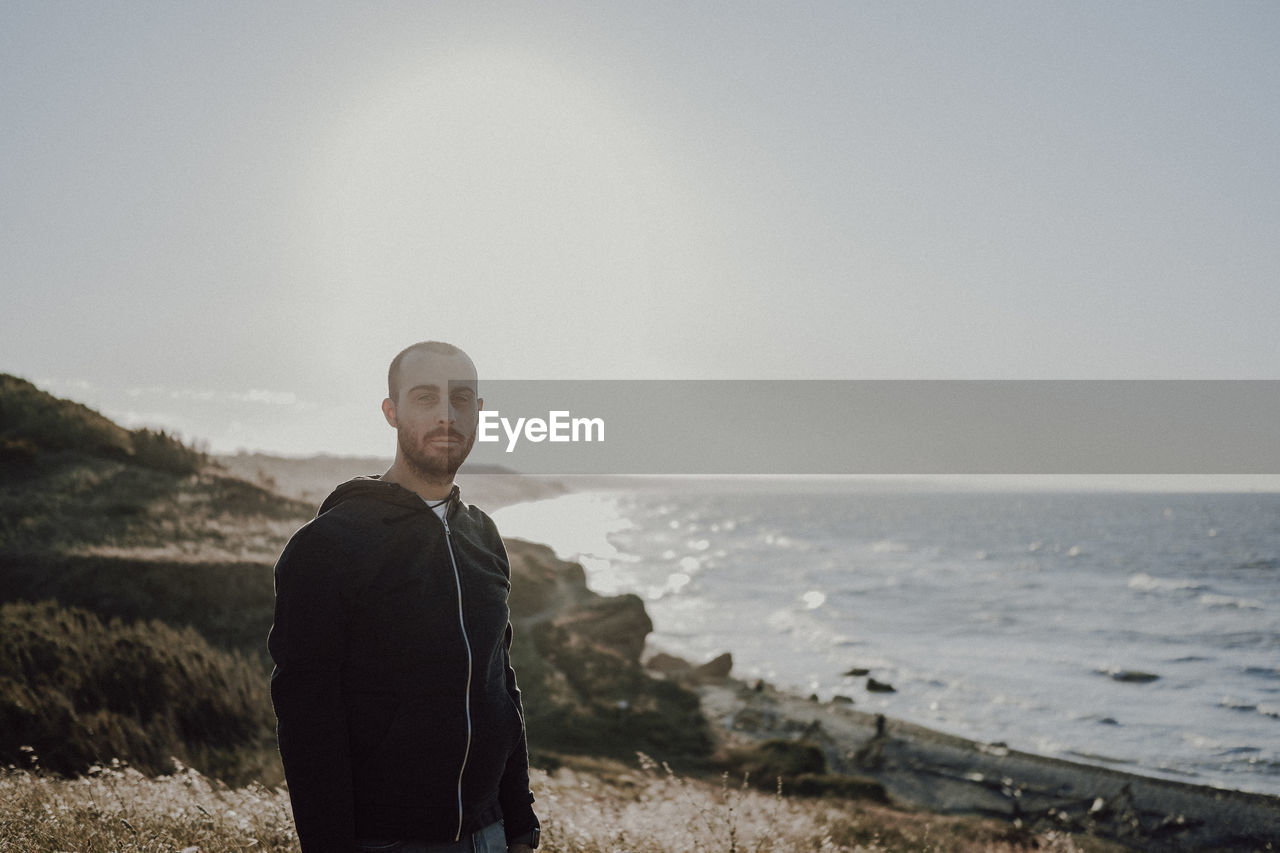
(498, 173)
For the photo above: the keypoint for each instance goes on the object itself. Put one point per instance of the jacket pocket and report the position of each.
(417, 759)
(370, 717)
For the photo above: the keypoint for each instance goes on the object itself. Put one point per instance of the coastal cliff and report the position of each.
(130, 537)
(578, 656)
(104, 524)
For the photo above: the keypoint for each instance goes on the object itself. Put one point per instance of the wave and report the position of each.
(1212, 600)
(1143, 582)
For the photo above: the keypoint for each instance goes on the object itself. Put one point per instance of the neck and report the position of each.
(427, 488)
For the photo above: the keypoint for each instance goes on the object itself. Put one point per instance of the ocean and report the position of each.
(1133, 630)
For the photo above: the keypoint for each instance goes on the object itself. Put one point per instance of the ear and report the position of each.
(389, 412)
(479, 404)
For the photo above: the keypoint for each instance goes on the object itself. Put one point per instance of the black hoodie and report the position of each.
(398, 712)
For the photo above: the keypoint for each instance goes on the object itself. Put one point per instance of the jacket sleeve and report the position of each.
(307, 643)
(513, 790)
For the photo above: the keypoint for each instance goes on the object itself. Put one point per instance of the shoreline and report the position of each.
(925, 769)
(946, 774)
(1211, 744)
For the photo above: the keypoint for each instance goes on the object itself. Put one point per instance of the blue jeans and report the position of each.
(491, 839)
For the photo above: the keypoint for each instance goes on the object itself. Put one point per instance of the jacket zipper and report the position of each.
(466, 753)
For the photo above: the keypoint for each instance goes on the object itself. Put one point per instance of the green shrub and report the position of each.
(78, 691)
(34, 420)
(164, 452)
(229, 604)
(50, 423)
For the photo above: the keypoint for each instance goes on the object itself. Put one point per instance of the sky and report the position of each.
(225, 219)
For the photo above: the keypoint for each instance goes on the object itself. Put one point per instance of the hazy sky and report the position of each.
(225, 218)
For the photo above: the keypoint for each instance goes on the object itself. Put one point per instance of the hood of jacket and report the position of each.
(375, 488)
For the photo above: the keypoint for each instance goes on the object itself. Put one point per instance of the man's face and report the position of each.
(436, 412)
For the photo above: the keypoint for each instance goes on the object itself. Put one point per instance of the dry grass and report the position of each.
(118, 810)
(599, 809)
(75, 504)
(604, 808)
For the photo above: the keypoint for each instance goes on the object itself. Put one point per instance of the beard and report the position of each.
(431, 464)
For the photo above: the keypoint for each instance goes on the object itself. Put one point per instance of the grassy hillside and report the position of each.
(135, 599)
(34, 422)
(136, 586)
(85, 525)
(75, 691)
(228, 604)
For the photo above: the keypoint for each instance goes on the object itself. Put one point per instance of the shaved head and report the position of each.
(435, 347)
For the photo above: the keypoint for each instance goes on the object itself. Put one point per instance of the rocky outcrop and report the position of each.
(772, 732)
(714, 671)
(577, 654)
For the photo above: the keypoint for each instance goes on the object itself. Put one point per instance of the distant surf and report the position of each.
(1142, 629)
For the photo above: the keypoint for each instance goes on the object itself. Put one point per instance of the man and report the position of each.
(400, 723)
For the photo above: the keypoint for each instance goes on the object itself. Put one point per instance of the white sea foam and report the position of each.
(813, 599)
(1211, 600)
(1199, 741)
(675, 582)
(803, 592)
(573, 524)
(1143, 582)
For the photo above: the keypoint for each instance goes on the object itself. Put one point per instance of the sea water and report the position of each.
(1138, 631)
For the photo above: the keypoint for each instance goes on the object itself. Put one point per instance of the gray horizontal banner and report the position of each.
(880, 427)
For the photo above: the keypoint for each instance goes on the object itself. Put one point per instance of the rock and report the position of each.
(578, 655)
(618, 624)
(874, 686)
(716, 669)
(858, 672)
(839, 699)
(768, 760)
(755, 719)
(542, 583)
(1132, 676)
(667, 664)
(836, 785)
